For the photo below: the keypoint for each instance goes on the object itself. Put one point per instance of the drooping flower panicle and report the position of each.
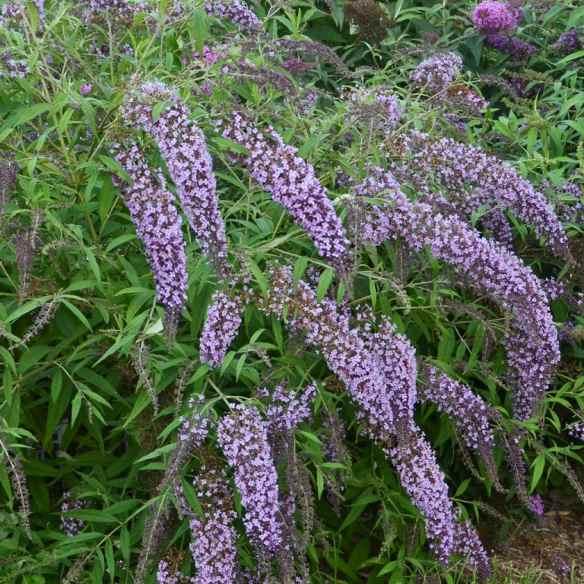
(421, 477)
(243, 437)
(158, 226)
(221, 327)
(459, 167)
(183, 147)
(532, 342)
(287, 409)
(214, 538)
(468, 544)
(379, 374)
(292, 182)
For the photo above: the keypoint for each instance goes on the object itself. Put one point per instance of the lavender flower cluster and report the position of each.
(221, 327)
(576, 431)
(243, 437)
(286, 409)
(457, 167)
(214, 538)
(568, 42)
(122, 12)
(377, 109)
(184, 150)
(468, 544)
(13, 68)
(511, 45)
(491, 16)
(437, 72)
(343, 348)
(469, 412)
(11, 13)
(380, 374)
(165, 574)
(158, 226)
(235, 11)
(424, 482)
(397, 357)
(292, 182)
(532, 342)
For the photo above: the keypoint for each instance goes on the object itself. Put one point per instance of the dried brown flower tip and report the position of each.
(140, 360)
(41, 320)
(18, 480)
(8, 173)
(27, 243)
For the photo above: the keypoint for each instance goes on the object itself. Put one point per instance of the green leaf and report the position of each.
(73, 309)
(22, 116)
(75, 407)
(324, 283)
(258, 275)
(538, 466)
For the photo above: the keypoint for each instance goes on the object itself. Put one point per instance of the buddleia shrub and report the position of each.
(290, 292)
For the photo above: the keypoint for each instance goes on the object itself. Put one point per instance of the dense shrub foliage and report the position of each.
(290, 291)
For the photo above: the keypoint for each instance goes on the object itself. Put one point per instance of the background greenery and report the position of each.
(74, 408)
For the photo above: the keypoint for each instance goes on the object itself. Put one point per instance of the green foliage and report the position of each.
(73, 408)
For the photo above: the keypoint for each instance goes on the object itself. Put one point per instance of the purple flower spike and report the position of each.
(86, 89)
(243, 437)
(459, 167)
(568, 42)
(221, 327)
(576, 431)
(292, 182)
(469, 545)
(379, 372)
(236, 11)
(511, 45)
(397, 357)
(214, 538)
(184, 150)
(424, 482)
(532, 342)
(437, 72)
(158, 225)
(493, 17)
(287, 410)
(469, 411)
(536, 505)
(165, 574)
